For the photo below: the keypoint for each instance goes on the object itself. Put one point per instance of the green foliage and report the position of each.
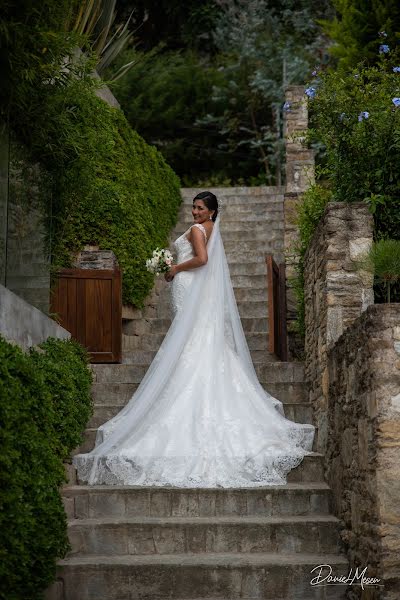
(62, 366)
(177, 25)
(216, 114)
(111, 189)
(356, 27)
(162, 98)
(264, 47)
(33, 406)
(383, 260)
(108, 187)
(310, 211)
(355, 119)
(362, 154)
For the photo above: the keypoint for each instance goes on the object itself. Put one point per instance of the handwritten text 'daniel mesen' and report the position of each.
(357, 577)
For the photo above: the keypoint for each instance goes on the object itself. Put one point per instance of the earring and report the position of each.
(210, 218)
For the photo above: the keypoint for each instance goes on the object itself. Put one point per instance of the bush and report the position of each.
(356, 118)
(33, 410)
(111, 188)
(61, 365)
(309, 213)
(108, 187)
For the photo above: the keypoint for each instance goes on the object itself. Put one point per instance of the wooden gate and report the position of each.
(277, 308)
(88, 303)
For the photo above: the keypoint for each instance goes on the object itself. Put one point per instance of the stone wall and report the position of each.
(363, 447)
(299, 176)
(24, 324)
(336, 293)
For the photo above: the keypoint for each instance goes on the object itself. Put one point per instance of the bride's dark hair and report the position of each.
(210, 200)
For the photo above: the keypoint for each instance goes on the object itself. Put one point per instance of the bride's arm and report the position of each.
(200, 258)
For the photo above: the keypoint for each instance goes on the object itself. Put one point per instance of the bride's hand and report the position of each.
(170, 274)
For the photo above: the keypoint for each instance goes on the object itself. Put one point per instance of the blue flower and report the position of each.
(286, 106)
(363, 115)
(382, 34)
(384, 49)
(396, 101)
(311, 92)
(396, 69)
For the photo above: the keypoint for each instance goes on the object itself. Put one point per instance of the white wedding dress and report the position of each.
(200, 418)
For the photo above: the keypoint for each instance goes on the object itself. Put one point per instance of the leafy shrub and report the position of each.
(310, 211)
(383, 260)
(356, 118)
(111, 188)
(60, 363)
(33, 411)
(355, 29)
(108, 186)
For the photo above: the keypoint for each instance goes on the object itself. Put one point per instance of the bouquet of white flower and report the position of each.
(160, 262)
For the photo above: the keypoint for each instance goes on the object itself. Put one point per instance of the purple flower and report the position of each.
(396, 69)
(384, 49)
(363, 115)
(396, 101)
(314, 73)
(286, 106)
(310, 92)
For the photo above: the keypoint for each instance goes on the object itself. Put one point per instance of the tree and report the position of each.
(264, 46)
(356, 27)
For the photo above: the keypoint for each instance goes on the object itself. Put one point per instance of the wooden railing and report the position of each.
(88, 303)
(277, 308)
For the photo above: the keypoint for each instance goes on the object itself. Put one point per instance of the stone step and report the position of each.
(268, 222)
(264, 237)
(177, 535)
(229, 576)
(237, 195)
(249, 291)
(310, 469)
(94, 502)
(148, 326)
(118, 394)
(129, 357)
(249, 268)
(248, 305)
(236, 215)
(271, 372)
(269, 246)
(256, 340)
(236, 255)
(298, 411)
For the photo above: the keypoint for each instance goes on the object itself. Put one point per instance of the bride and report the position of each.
(199, 418)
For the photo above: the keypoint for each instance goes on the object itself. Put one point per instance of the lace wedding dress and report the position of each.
(200, 418)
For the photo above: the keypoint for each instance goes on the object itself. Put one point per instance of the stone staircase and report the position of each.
(131, 543)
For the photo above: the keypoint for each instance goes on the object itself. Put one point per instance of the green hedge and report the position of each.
(44, 406)
(107, 186)
(110, 187)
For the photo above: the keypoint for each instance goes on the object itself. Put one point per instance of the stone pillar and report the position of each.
(4, 160)
(336, 293)
(299, 176)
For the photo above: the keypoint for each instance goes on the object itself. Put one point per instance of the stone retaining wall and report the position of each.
(336, 293)
(24, 324)
(363, 442)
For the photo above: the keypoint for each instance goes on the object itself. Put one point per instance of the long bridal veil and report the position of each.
(200, 406)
